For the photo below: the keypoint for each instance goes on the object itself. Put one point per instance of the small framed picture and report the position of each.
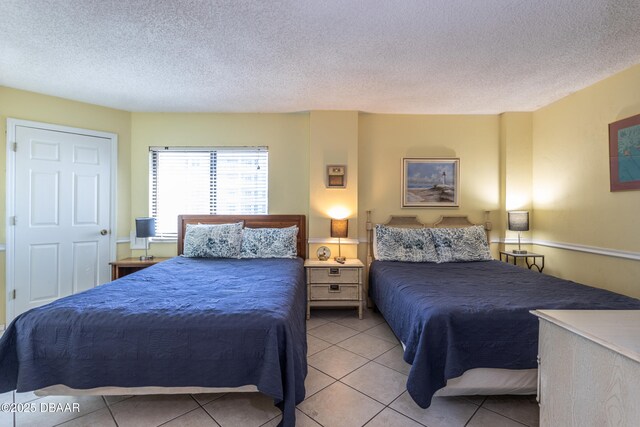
(430, 182)
(624, 154)
(336, 176)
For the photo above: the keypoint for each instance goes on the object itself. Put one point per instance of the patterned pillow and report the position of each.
(269, 242)
(461, 244)
(213, 240)
(404, 244)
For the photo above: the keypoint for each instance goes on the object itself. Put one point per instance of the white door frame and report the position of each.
(11, 194)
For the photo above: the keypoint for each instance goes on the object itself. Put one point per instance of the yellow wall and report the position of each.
(24, 105)
(384, 139)
(571, 198)
(333, 141)
(553, 161)
(287, 136)
(516, 165)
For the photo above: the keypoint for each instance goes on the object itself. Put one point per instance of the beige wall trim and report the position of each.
(316, 240)
(589, 249)
(154, 240)
(575, 247)
(512, 241)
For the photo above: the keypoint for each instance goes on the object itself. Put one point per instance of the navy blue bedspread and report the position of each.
(182, 322)
(458, 316)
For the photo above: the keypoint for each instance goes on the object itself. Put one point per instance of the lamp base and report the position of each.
(519, 252)
(340, 259)
(146, 257)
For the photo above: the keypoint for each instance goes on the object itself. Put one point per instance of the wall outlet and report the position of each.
(138, 242)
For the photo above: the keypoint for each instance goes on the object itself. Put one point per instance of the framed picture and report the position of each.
(430, 182)
(336, 176)
(624, 154)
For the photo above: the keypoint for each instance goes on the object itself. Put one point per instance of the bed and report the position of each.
(185, 325)
(466, 326)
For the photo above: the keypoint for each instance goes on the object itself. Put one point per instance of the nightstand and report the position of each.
(331, 284)
(126, 266)
(530, 258)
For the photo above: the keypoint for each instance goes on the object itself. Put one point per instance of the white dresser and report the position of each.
(589, 368)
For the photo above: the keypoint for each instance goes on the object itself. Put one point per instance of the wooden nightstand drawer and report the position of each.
(334, 275)
(333, 292)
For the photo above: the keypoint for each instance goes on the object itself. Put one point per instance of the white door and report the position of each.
(61, 236)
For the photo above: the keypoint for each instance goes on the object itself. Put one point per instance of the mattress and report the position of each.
(490, 381)
(454, 317)
(181, 323)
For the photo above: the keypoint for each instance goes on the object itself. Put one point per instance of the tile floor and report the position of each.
(356, 378)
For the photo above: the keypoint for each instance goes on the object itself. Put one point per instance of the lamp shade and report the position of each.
(145, 227)
(518, 220)
(339, 228)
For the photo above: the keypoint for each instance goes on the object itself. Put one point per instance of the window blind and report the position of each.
(206, 180)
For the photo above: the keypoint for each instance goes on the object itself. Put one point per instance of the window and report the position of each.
(206, 180)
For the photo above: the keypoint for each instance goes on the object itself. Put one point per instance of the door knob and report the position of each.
(103, 232)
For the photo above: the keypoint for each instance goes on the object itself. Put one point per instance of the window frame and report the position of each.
(213, 205)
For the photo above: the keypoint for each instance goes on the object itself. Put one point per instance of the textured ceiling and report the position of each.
(404, 56)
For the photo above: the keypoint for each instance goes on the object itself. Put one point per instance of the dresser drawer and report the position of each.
(334, 275)
(333, 292)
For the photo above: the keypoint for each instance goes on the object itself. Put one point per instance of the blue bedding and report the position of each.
(182, 322)
(457, 316)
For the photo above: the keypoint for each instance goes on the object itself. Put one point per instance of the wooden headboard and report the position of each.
(250, 221)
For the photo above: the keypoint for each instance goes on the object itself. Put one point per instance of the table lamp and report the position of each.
(145, 228)
(340, 229)
(518, 221)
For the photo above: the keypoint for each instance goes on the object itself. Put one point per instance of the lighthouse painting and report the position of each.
(430, 182)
